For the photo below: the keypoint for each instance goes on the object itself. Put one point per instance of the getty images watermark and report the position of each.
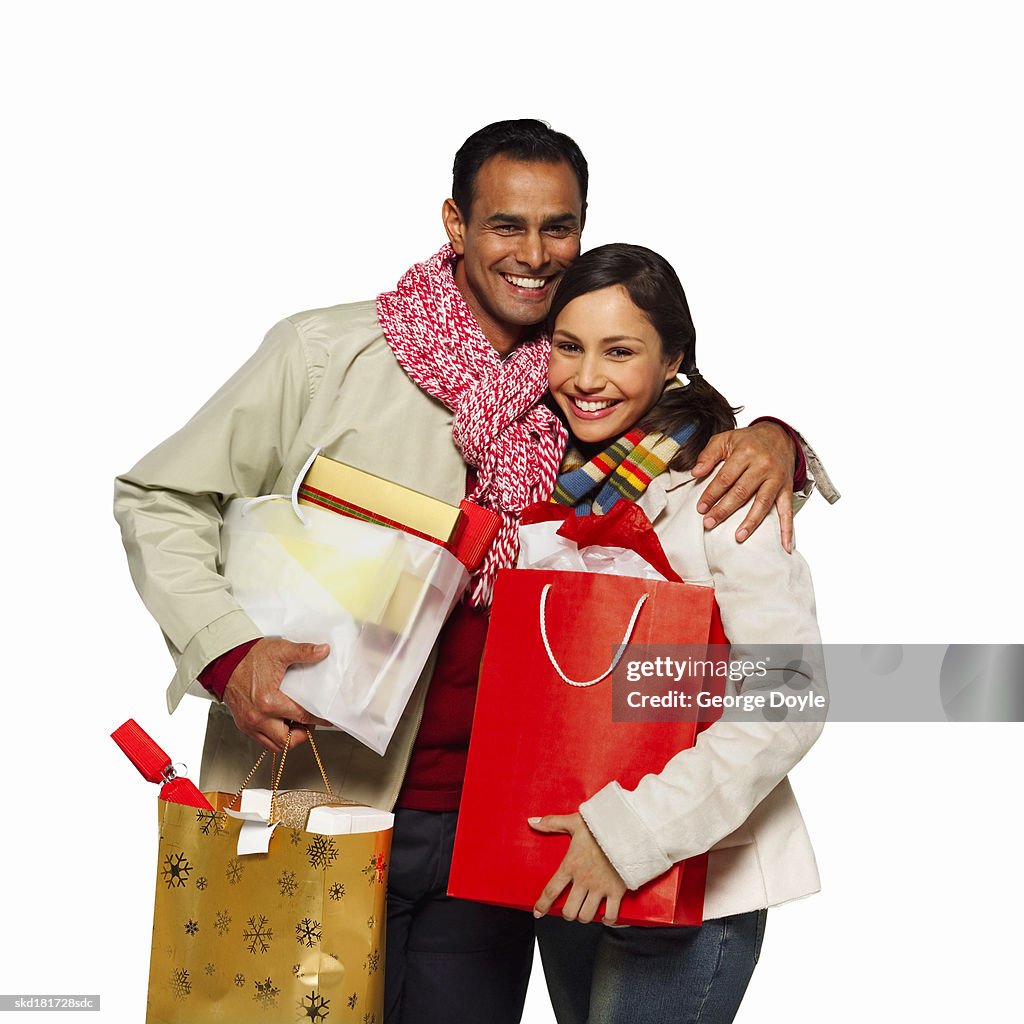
(843, 682)
(49, 1002)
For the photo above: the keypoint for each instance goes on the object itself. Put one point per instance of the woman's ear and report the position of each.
(672, 367)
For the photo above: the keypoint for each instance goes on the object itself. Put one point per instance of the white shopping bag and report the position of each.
(377, 595)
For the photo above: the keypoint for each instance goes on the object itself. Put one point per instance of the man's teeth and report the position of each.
(592, 406)
(525, 282)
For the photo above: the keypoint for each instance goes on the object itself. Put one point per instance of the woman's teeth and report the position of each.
(586, 406)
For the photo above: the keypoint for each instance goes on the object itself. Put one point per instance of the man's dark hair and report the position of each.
(528, 140)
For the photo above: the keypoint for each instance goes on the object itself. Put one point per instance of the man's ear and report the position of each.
(454, 226)
(583, 218)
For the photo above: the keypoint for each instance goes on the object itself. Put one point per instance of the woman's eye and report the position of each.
(620, 353)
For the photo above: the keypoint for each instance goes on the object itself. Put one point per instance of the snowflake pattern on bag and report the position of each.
(176, 870)
(258, 934)
(211, 823)
(322, 852)
(215, 933)
(266, 993)
(307, 932)
(376, 870)
(314, 1007)
(180, 985)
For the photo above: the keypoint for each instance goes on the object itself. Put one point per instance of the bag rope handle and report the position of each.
(293, 497)
(618, 654)
(277, 770)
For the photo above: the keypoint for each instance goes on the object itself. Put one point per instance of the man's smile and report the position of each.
(532, 284)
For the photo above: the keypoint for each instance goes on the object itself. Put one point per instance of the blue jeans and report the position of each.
(599, 975)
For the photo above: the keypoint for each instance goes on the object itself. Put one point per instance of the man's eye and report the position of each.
(558, 231)
(506, 229)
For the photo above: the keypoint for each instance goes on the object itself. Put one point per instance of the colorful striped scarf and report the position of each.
(623, 470)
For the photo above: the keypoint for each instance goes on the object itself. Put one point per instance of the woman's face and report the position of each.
(607, 366)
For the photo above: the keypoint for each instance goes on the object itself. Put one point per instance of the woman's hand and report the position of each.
(586, 868)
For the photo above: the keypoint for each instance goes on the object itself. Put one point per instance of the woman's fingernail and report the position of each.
(533, 821)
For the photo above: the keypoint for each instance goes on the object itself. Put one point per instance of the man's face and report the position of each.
(516, 241)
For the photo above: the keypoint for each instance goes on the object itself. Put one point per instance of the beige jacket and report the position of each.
(729, 794)
(322, 378)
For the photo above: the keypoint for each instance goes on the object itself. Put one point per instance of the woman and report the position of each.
(621, 330)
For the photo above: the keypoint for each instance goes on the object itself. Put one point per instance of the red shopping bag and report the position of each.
(542, 746)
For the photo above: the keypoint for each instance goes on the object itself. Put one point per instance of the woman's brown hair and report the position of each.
(654, 287)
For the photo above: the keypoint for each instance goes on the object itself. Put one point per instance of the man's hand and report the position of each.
(586, 868)
(254, 698)
(759, 462)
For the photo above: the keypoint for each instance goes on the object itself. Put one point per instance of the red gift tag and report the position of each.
(155, 766)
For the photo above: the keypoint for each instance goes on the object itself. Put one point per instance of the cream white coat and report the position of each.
(728, 794)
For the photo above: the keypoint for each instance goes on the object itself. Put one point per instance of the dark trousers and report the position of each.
(448, 960)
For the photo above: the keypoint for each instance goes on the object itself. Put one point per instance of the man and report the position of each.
(440, 374)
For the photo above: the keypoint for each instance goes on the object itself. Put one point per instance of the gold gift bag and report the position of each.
(294, 934)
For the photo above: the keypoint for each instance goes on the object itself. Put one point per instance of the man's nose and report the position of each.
(530, 250)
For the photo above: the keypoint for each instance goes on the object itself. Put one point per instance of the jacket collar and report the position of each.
(655, 498)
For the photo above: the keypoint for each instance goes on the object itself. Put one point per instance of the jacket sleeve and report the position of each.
(169, 505)
(817, 476)
(810, 473)
(707, 792)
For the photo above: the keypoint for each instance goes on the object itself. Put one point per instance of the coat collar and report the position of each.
(655, 498)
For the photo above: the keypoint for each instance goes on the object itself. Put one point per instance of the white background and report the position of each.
(839, 188)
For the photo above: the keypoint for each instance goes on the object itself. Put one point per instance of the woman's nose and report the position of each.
(589, 375)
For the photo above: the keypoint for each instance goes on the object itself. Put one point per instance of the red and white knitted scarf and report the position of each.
(515, 444)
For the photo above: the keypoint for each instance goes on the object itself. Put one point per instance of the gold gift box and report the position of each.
(353, 492)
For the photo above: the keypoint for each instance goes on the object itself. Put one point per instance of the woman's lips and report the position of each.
(592, 408)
